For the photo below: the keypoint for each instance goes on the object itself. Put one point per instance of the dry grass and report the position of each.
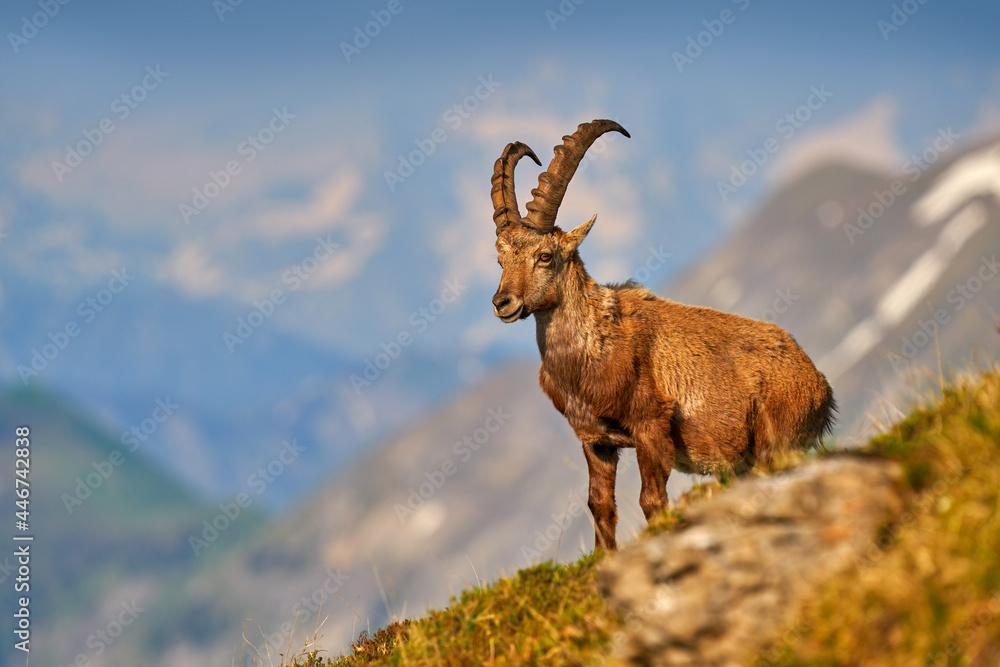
(549, 614)
(928, 590)
(367, 650)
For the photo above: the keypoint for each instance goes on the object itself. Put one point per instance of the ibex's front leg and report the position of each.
(654, 452)
(602, 463)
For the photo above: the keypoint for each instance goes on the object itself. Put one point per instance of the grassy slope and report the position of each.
(926, 593)
(133, 525)
(928, 590)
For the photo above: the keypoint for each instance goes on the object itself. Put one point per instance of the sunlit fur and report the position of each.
(689, 388)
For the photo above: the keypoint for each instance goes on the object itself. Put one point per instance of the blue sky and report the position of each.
(348, 123)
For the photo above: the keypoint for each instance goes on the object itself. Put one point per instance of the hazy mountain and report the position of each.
(236, 407)
(872, 274)
(110, 532)
(494, 502)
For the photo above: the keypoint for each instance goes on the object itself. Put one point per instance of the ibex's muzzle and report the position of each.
(507, 307)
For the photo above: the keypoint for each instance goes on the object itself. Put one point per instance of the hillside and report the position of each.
(235, 407)
(923, 589)
(476, 490)
(878, 276)
(110, 528)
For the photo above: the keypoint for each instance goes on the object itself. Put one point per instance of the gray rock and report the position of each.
(725, 587)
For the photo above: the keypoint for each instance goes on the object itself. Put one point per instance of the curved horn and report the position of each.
(505, 211)
(552, 182)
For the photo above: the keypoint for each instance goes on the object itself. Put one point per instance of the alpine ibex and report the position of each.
(689, 388)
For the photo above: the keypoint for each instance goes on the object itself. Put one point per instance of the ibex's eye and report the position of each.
(544, 257)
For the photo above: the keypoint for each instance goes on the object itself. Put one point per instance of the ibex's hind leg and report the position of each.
(654, 452)
(602, 463)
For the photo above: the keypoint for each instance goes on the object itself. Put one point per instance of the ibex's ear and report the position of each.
(573, 240)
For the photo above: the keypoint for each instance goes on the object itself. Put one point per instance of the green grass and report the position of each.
(549, 614)
(927, 592)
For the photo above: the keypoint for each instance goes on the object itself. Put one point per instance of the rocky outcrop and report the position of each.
(725, 587)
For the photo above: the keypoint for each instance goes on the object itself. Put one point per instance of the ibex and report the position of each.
(690, 388)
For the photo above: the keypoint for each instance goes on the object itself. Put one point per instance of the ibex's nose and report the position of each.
(507, 307)
(501, 300)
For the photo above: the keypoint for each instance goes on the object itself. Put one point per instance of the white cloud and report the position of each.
(329, 201)
(189, 266)
(332, 208)
(134, 181)
(988, 111)
(660, 175)
(483, 333)
(465, 243)
(60, 253)
(364, 235)
(138, 174)
(619, 224)
(142, 172)
(866, 138)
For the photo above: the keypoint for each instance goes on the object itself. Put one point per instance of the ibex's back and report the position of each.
(755, 391)
(690, 388)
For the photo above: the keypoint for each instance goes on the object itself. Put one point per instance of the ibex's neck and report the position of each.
(562, 331)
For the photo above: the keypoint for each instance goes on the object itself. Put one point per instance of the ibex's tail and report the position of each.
(792, 417)
(826, 412)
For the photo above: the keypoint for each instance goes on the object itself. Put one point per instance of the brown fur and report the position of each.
(692, 389)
